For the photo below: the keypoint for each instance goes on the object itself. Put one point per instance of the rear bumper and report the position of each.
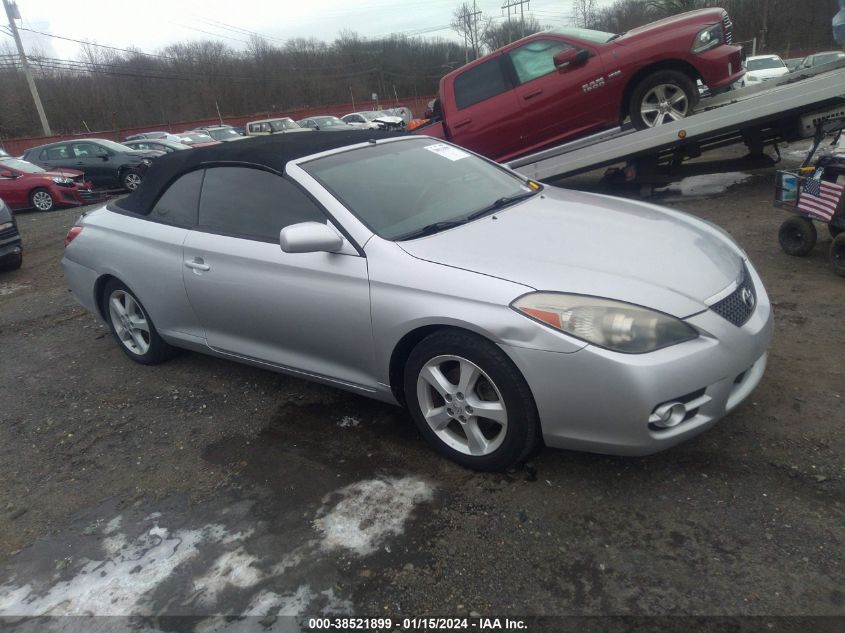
(601, 401)
(720, 66)
(82, 281)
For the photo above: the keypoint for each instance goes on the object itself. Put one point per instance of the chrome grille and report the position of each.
(735, 307)
(729, 28)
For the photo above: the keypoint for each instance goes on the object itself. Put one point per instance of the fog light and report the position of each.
(668, 415)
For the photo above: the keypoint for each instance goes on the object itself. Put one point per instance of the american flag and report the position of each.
(820, 198)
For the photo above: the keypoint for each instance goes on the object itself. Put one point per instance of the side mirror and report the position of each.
(102, 155)
(309, 237)
(8, 174)
(569, 57)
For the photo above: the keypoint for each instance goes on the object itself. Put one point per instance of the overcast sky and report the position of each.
(153, 24)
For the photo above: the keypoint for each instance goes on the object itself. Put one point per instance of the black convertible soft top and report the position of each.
(268, 152)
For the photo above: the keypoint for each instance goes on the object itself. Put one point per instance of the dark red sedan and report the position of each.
(27, 186)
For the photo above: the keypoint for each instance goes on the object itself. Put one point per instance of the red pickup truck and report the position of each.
(560, 84)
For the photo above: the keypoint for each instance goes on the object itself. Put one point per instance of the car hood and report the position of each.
(767, 73)
(60, 173)
(597, 245)
(704, 17)
(392, 120)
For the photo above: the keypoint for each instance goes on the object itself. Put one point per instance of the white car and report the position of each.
(763, 68)
(373, 120)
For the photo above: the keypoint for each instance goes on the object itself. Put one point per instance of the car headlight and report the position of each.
(62, 181)
(752, 78)
(615, 325)
(709, 38)
(146, 161)
(6, 225)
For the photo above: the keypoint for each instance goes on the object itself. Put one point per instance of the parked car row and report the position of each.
(760, 68)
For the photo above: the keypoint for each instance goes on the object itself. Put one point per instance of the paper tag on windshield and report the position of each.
(447, 151)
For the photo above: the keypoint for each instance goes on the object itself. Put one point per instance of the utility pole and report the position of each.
(513, 4)
(765, 28)
(12, 13)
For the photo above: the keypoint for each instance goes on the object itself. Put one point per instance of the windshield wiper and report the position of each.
(430, 229)
(501, 203)
(436, 227)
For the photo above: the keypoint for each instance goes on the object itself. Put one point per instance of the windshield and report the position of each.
(372, 114)
(827, 58)
(197, 138)
(21, 165)
(111, 145)
(328, 121)
(283, 124)
(588, 35)
(223, 133)
(419, 183)
(765, 63)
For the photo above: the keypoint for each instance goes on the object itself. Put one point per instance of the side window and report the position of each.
(535, 59)
(59, 152)
(479, 83)
(86, 150)
(253, 203)
(178, 205)
(253, 127)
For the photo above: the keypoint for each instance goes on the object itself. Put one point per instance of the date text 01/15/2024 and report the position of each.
(415, 624)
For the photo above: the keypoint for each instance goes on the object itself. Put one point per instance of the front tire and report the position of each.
(41, 200)
(470, 401)
(131, 180)
(797, 236)
(132, 327)
(837, 254)
(662, 97)
(14, 263)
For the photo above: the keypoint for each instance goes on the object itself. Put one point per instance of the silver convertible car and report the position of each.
(503, 313)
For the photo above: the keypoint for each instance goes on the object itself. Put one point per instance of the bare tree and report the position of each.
(465, 23)
(584, 13)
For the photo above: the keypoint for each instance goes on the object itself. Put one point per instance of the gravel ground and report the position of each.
(333, 504)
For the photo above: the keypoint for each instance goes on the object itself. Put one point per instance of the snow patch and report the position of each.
(706, 185)
(9, 288)
(369, 512)
(348, 421)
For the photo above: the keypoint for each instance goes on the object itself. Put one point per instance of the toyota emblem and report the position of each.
(748, 298)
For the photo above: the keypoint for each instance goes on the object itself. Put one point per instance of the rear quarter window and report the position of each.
(180, 203)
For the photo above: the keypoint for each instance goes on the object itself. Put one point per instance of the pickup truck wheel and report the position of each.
(470, 401)
(131, 180)
(41, 199)
(662, 97)
(797, 236)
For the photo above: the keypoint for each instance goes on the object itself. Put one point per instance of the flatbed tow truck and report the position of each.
(761, 116)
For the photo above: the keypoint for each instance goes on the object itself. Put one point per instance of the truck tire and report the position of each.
(797, 236)
(837, 254)
(662, 97)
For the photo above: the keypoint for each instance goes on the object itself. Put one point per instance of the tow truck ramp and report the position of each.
(759, 116)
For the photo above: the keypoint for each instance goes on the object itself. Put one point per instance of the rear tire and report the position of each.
(132, 327)
(131, 180)
(834, 230)
(797, 236)
(451, 379)
(662, 97)
(837, 254)
(41, 200)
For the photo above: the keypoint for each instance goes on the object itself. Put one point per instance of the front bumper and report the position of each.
(721, 66)
(78, 196)
(600, 401)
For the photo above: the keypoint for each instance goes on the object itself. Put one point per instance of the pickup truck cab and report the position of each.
(560, 84)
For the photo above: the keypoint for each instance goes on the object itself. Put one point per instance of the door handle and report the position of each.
(532, 94)
(462, 123)
(197, 264)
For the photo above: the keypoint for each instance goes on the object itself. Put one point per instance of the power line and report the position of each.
(114, 48)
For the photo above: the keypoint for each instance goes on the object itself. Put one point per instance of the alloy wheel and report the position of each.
(129, 321)
(462, 405)
(132, 181)
(42, 200)
(663, 104)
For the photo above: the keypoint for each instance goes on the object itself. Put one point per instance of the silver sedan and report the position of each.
(503, 313)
